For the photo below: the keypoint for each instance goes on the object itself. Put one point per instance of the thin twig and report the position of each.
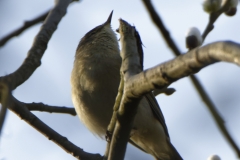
(26, 25)
(51, 109)
(213, 17)
(165, 90)
(19, 108)
(203, 94)
(192, 62)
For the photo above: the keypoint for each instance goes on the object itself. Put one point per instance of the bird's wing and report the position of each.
(150, 97)
(156, 110)
(130, 141)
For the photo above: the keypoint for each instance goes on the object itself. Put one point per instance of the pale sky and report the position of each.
(192, 130)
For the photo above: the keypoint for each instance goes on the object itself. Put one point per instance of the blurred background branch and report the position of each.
(26, 25)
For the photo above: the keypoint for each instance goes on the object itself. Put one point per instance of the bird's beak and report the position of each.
(108, 22)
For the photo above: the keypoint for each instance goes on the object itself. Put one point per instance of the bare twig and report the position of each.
(165, 90)
(212, 18)
(19, 108)
(111, 127)
(51, 109)
(26, 25)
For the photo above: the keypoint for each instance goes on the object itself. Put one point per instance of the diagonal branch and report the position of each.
(38, 48)
(163, 30)
(51, 109)
(26, 25)
(217, 117)
(184, 65)
(19, 108)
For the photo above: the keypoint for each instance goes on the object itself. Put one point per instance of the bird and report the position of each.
(95, 80)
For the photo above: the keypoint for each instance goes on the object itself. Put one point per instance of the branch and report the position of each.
(131, 65)
(10, 82)
(165, 90)
(213, 17)
(33, 60)
(163, 30)
(216, 115)
(51, 109)
(19, 108)
(131, 46)
(184, 65)
(26, 25)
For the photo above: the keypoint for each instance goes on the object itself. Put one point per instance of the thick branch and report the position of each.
(128, 108)
(51, 109)
(26, 25)
(19, 108)
(182, 66)
(35, 54)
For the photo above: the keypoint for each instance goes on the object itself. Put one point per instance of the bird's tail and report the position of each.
(174, 153)
(171, 155)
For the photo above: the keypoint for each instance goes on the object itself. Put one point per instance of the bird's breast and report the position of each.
(95, 83)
